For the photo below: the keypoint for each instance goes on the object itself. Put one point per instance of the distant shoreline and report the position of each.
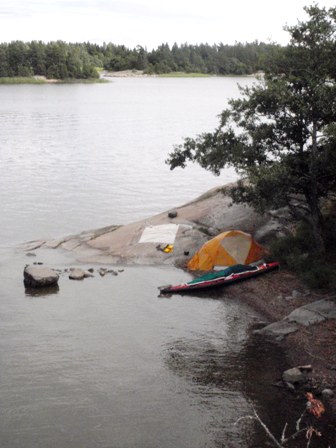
(43, 80)
(105, 76)
(141, 74)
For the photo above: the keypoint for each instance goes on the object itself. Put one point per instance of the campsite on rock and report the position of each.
(199, 241)
(147, 318)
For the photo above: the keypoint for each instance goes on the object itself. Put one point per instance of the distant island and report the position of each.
(59, 60)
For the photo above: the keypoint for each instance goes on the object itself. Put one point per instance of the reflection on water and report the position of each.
(230, 375)
(110, 364)
(41, 292)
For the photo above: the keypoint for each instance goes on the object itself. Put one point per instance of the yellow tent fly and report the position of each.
(226, 249)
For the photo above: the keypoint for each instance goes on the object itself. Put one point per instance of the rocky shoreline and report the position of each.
(306, 330)
(197, 222)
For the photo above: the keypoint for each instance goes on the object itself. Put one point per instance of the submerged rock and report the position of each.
(76, 274)
(39, 276)
(277, 329)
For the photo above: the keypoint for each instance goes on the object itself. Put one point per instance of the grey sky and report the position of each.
(150, 22)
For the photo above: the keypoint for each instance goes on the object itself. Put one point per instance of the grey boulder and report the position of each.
(293, 376)
(76, 274)
(39, 276)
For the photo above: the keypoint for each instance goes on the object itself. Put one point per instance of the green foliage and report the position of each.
(37, 56)
(55, 60)
(61, 60)
(21, 80)
(295, 252)
(294, 249)
(17, 59)
(280, 135)
(329, 230)
(319, 276)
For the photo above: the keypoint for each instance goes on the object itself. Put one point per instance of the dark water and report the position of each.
(106, 362)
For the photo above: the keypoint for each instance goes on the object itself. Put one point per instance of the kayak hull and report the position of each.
(196, 285)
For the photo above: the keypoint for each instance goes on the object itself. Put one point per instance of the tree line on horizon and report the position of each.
(61, 60)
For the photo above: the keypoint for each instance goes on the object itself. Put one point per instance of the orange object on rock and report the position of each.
(314, 406)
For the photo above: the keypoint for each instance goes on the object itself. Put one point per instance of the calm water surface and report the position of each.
(106, 362)
(80, 156)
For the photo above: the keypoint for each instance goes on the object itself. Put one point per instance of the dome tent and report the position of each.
(226, 249)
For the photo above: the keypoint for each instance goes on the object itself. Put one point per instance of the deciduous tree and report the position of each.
(281, 134)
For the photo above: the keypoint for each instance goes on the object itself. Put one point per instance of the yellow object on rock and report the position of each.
(227, 249)
(168, 248)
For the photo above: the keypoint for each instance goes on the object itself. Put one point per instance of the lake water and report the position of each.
(84, 156)
(106, 362)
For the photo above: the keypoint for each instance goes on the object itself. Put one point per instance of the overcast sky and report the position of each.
(150, 22)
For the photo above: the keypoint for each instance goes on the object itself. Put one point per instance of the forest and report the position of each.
(62, 60)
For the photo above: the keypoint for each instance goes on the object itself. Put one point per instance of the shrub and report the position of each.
(319, 275)
(294, 251)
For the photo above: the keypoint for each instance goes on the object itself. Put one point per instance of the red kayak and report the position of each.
(225, 277)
